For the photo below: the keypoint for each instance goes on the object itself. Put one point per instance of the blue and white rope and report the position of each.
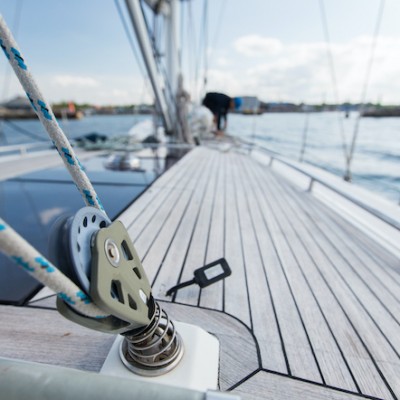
(11, 243)
(30, 260)
(46, 116)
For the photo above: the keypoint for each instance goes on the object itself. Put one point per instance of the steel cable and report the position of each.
(364, 90)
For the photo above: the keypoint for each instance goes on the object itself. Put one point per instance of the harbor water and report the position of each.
(375, 163)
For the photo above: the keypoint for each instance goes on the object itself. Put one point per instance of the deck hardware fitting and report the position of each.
(112, 252)
(205, 276)
(117, 283)
(154, 351)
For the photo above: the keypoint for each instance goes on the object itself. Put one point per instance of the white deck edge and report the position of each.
(343, 197)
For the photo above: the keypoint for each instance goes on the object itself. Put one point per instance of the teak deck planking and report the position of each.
(316, 298)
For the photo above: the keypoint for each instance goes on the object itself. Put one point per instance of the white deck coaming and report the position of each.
(11, 167)
(366, 210)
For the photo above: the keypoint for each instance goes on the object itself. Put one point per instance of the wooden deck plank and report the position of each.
(265, 323)
(197, 252)
(236, 296)
(385, 267)
(389, 263)
(370, 340)
(212, 296)
(45, 336)
(334, 370)
(157, 234)
(174, 258)
(137, 221)
(264, 385)
(168, 227)
(332, 366)
(354, 354)
(378, 304)
(368, 270)
(301, 360)
(151, 198)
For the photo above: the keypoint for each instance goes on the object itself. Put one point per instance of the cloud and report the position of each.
(223, 61)
(257, 46)
(255, 65)
(301, 71)
(120, 94)
(76, 81)
(97, 89)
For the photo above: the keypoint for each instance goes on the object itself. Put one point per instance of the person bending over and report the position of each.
(219, 104)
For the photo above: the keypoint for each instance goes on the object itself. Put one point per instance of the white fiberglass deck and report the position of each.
(311, 309)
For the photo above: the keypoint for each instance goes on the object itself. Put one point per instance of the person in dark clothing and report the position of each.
(219, 104)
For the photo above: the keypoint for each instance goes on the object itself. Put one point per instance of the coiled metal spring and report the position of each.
(155, 350)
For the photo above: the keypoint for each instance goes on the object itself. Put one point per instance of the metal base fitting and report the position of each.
(155, 350)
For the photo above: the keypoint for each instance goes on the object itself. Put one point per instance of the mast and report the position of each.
(139, 25)
(172, 99)
(172, 45)
(179, 98)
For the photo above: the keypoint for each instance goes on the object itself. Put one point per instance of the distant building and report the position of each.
(250, 105)
(275, 107)
(17, 103)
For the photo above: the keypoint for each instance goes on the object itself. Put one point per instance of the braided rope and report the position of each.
(11, 243)
(31, 261)
(46, 116)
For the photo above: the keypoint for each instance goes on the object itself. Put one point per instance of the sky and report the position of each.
(276, 50)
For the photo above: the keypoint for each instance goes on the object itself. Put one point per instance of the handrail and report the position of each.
(313, 178)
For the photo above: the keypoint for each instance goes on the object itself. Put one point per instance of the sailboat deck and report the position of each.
(312, 307)
(320, 297)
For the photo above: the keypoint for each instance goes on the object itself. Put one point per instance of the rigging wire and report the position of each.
(205, 48)
(349, 151)
(181, 28)
(199, 52)
(219, 19)
(191, 31)
(305, 135)
(208, 47)
(201, 57)
(132, 45)
(364, 90)
(333, 73)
